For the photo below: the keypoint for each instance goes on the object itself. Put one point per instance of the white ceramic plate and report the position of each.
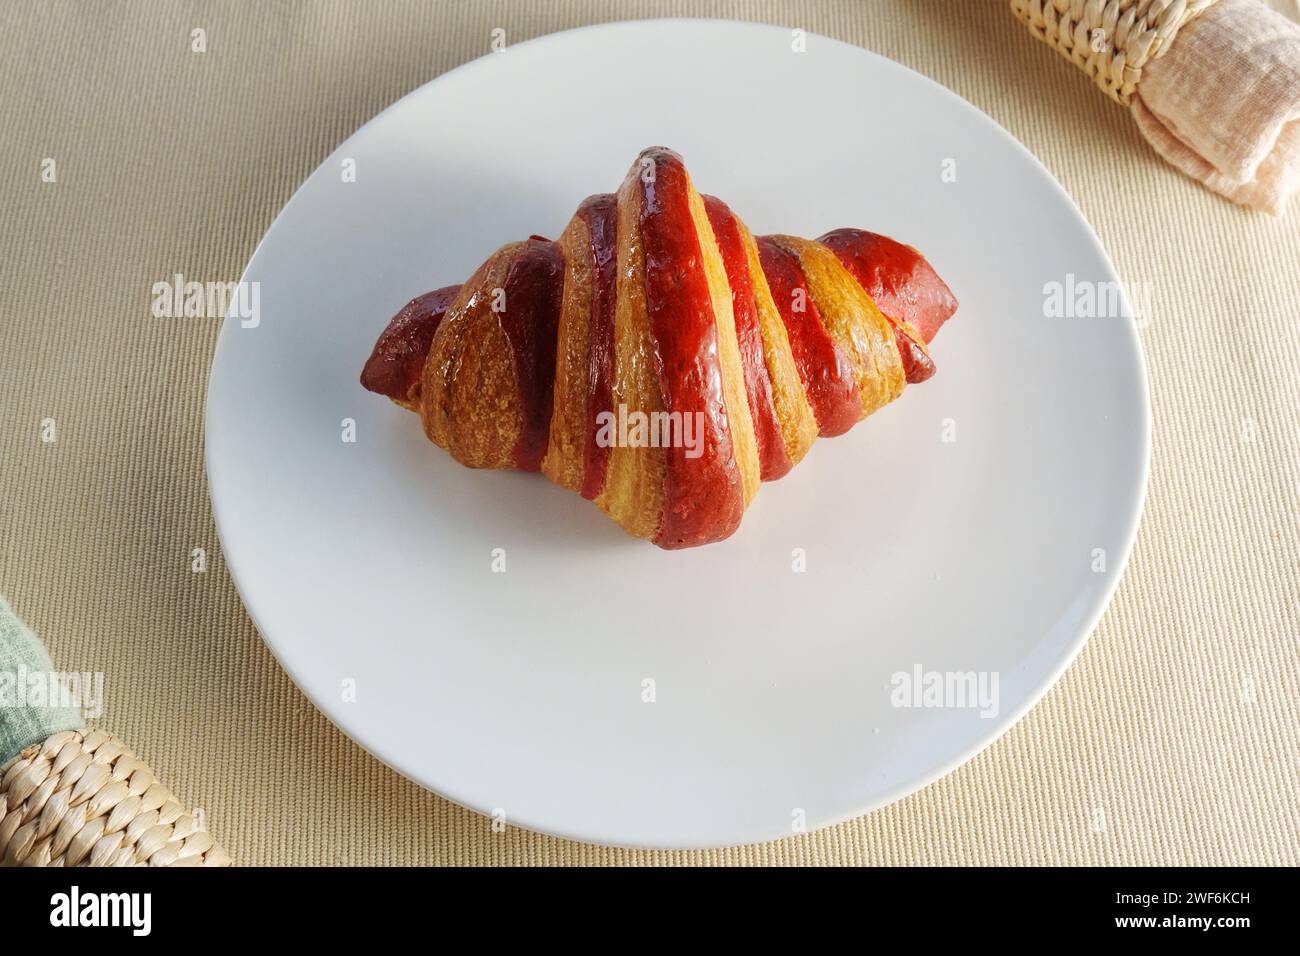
(368, 565)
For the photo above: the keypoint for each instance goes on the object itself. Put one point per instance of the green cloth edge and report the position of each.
(22, 655)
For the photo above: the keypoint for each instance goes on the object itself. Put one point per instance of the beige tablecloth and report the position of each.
(1174, 737)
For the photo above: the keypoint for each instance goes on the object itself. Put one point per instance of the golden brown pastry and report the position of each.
(658, 359)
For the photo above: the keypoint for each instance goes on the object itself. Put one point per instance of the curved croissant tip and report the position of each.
(918, 366)
(395, 364)
(885, 267)
(656, 154)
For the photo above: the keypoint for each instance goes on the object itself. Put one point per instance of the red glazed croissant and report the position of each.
(657, 358)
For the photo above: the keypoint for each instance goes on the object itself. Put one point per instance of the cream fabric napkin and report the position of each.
(1223, 102)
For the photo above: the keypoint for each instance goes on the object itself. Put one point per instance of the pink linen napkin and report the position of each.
(1213, 86)
(1223, 103)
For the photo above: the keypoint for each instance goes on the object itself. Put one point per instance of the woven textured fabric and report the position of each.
(1172, 739)
(31, 709)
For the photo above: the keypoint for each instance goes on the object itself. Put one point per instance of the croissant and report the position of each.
(659, 359)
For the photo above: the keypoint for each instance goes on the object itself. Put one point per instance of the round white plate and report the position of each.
(603, 689)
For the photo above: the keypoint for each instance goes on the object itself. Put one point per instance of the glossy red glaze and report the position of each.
(896, 276)
(703, 496)
(856, 258)
(394, 366)
(825, 371)
(773, 461)
(600, 214)
(533, 289)
(917, 364)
